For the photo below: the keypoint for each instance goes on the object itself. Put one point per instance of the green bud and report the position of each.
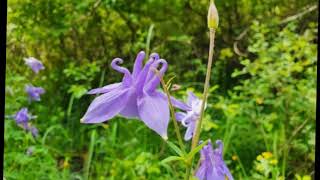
(213, 17)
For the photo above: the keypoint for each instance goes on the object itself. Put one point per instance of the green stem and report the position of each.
(240, 163)
(149, 40)
(188, 172)
(70, 106)
(102, 77)
(176, 127)
(283, 169)
(91, 149)
(196, 136)
(70, 122)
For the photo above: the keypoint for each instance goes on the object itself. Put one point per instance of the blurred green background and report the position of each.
(262, 97)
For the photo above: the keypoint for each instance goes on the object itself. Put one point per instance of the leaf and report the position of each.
(213, 88)
(196, 150)
(175, 148)
(172, 158)
(77, 90)
(168, 83)
(167, 167)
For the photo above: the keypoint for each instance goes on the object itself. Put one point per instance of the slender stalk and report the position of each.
(91, 150)
(93, 137)
(149, 39)
(70, 122)
(188, 172)
(176, 127)
(240, 163)
(196, 135)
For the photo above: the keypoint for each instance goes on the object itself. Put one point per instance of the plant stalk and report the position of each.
(188, 172)
(90, 153)
(176, 127)
(196, 136)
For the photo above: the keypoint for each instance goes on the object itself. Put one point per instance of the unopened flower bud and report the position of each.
(213, 17)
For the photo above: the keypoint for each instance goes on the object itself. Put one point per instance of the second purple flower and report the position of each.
(34, 92)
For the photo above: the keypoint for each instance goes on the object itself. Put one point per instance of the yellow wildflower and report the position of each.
(234, 157)
(259, 167)
(267, 155)
(274, 161)
(259, 158)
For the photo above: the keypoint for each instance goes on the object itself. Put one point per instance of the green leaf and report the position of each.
(196, 150)
(77, 90)
(175, 148)
(168, 83)
(172, 158)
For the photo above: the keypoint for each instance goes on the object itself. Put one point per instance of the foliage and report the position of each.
(276, 102)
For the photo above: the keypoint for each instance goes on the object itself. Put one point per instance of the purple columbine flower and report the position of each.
(34, 64)
(212, 166)
(189, 118)
(135, 97)
(34, 92)
(34, 131)
(22, 118)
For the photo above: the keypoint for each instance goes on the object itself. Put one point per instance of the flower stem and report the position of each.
(90, 153)
(188, 172)
(196, 135)
(176, 127)
(150, 31)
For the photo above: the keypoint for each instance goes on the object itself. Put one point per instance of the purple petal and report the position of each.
(140, 82)
(34, 64)
(22, 116)
(180, 116)
(24, 125)
(179, 104)
(222, 168)
(154, 112)
(156, 57)
(131, 109)
(189, 118)
(106, 106)
(220, 147)
(34, 131)
(176, 103)
(127, 79)
(191, 97)
(201, 172)
(153, 83)
(138, 63)
(34, 92)
(104, 89)
(212, 160)
(190, 130)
